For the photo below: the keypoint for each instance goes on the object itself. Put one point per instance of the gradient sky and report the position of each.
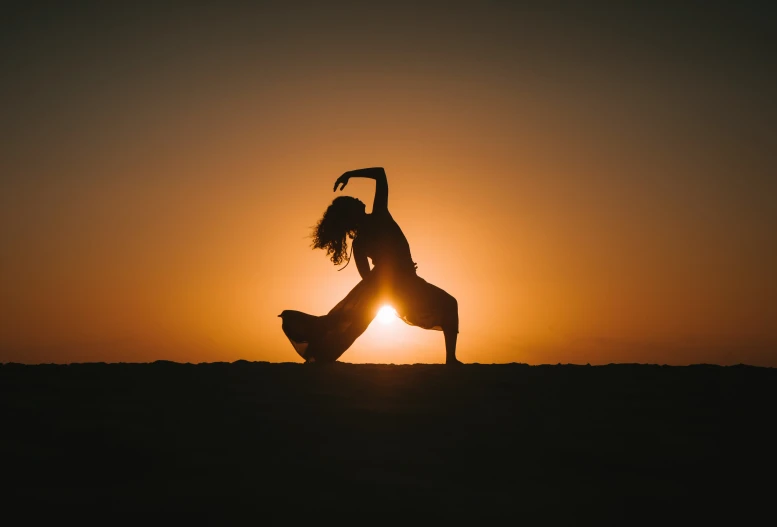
(593, 185)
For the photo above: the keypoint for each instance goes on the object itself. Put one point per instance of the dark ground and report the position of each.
(381, 443)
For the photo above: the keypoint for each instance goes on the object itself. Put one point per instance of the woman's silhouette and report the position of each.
(391, 280)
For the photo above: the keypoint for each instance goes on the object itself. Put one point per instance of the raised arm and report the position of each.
(381, 184)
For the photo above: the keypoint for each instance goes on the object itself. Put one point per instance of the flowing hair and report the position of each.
(338, 223)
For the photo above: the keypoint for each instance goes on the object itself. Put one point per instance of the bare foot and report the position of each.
(453, 362)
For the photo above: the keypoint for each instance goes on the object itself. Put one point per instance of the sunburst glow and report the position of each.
(386, 315)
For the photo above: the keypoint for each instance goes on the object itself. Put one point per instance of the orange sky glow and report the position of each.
(584, 203)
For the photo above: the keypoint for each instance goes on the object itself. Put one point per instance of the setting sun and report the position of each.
(386, 315)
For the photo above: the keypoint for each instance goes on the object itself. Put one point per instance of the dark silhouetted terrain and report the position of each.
(381, 443)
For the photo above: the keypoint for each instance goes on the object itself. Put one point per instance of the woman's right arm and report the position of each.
(381, 185)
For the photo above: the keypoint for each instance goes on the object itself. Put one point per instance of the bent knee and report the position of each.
(452, 304)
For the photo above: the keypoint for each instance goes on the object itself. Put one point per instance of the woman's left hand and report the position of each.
(342, 180)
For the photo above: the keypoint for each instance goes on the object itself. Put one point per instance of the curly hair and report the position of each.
(340, 220)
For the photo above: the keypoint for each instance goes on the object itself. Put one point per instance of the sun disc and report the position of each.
(386, 315)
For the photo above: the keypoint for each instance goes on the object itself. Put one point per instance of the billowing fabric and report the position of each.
(417, 302)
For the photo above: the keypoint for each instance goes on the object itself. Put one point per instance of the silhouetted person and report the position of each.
(392, 279)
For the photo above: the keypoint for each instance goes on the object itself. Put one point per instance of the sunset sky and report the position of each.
(592, 185)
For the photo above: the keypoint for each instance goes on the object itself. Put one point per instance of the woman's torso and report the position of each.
(381, 239)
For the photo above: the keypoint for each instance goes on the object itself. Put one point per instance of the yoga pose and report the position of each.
(391, 280)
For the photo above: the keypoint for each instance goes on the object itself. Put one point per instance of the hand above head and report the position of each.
(342, 180)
